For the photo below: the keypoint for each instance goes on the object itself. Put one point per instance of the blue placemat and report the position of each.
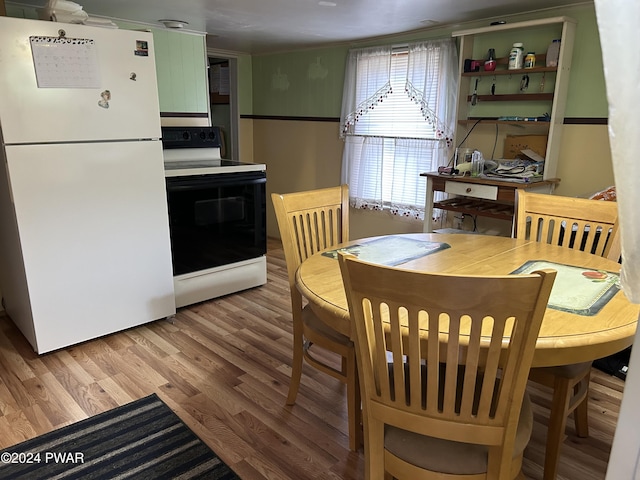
(578, 290)
(391, 250)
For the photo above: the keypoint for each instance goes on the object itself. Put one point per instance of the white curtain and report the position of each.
(432, 64)
(398, 115)
(367, 81)
(618, 27)
(617, 22)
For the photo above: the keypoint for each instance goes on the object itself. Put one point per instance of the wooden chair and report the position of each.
(311, 221)
(449, 405)
(589, 225)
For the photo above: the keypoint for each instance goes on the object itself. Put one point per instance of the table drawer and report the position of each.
(487, 192)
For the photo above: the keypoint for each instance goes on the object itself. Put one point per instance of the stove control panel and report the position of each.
(191, 137)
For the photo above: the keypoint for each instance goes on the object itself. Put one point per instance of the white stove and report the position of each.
(217, 216)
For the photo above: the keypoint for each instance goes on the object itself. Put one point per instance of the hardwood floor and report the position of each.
(223, 366)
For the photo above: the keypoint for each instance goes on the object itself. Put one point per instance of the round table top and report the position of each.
(565, 336)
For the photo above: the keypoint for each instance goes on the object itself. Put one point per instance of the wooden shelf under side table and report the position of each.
(477, 196)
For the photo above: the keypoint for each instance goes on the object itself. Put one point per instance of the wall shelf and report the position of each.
(519, 71)
(470, 206)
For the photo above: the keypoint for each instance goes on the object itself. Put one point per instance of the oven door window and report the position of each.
(216, 220)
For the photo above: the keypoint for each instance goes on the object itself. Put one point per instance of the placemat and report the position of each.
(390, 251)
(578, 290)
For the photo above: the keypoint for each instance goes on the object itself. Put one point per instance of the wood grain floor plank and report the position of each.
(13, 385)
(258, 467)
(115, 391)
(308, 428)
(55, 399)
(8, 404)
(37, 418)
(219, 436)
(16, 428)
(170, 375)
(87, 363)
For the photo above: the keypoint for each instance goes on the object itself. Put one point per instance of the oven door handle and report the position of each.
(215, 180)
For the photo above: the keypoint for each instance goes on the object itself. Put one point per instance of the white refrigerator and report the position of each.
(84, 233)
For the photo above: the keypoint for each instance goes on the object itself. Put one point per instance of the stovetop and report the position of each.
(196, 151)
(208, 167)
(212, 163)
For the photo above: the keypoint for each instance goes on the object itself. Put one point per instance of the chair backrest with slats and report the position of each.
(311, 221)
(461, 348)
(580, 223)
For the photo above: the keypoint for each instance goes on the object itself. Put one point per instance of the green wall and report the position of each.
(306, 83)
(587, 94)
(309, 83)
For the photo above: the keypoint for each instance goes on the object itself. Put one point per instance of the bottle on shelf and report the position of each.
(477, 163)
(516, 56)
(530, 60)
(553, 53)
(490, 62)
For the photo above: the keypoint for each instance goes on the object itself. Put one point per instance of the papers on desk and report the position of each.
(390, 251)
(578, 290)
(525, 169)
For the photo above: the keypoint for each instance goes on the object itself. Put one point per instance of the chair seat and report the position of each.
(444, 455)
(312, 322)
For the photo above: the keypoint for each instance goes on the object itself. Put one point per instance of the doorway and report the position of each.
(223, 100)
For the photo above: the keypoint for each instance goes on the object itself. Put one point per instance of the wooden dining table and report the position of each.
(588, 316)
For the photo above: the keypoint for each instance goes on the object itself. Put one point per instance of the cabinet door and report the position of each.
(182, 72)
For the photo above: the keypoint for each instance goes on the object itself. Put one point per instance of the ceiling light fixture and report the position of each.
(174, 23)
(327, 4)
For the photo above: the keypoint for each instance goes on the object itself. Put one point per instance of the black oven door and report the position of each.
(216, 219)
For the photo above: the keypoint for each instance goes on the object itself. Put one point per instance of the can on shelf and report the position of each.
(530, 60)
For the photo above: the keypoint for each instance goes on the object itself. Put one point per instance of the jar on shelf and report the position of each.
(553, 53)
(516, 56)
(530, 60)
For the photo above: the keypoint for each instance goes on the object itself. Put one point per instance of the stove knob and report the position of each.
(212, 135)
(186, 135)
(203, 135)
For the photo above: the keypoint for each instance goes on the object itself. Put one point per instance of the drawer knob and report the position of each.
(468, 189)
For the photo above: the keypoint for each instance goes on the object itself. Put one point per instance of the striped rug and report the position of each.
(142, 440)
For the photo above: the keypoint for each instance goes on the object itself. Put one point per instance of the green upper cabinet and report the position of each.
(182, 72)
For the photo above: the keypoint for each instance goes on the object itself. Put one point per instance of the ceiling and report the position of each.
(266, 26)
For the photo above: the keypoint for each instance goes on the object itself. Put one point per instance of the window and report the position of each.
(397, 122)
